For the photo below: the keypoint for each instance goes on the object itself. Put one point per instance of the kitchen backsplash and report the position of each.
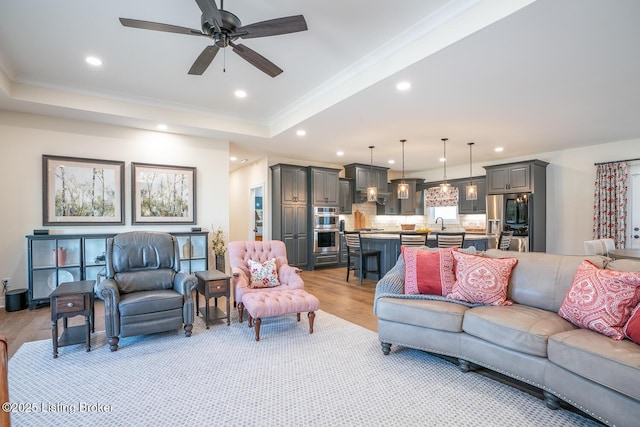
(392, 222)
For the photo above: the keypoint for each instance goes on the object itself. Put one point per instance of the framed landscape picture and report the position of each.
(82, 191)
(163, 194)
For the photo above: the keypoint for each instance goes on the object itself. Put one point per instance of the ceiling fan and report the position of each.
(224, 28)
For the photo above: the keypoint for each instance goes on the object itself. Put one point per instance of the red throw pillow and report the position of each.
(632, 328)
(427, 271)
(481, 280)
(601, 300)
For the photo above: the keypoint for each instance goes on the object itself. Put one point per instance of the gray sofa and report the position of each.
(527, 341)
(144, 292)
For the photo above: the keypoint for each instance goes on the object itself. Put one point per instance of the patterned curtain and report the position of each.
(610, 202)
(435, 198)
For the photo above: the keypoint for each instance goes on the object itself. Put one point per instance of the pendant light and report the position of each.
(403, 187)
(471, 190)
(372, 190)
(445, 187)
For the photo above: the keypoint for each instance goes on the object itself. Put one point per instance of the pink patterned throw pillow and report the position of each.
(427, 271)
(601, 300)
(632, 328)
(263, 275)
(481, 280)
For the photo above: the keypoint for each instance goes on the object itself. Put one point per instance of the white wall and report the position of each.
(571, 176)
(24, 138)
(240, 183)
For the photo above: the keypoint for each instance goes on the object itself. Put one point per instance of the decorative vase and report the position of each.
(220, 263)
(187, 250)
(59, 256)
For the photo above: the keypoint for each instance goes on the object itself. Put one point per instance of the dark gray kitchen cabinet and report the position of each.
(345, 198)
(325, 186)
(364, 176)
(291, 212)
(478, 206)
(514, 177)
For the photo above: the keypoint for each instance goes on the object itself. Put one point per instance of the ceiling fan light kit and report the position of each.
(224, 28)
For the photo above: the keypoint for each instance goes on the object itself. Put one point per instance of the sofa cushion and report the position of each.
(517, 327)
(427, 271)
(611, 363)
(263, 275)
(149, 302)
(632, 328)
(440, 315)
(542, 280)
(481, 280)
(601, 300)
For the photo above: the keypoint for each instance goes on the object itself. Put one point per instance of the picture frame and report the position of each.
(163, 194)
(79, 191)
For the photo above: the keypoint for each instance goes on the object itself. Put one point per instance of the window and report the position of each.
(448, 213)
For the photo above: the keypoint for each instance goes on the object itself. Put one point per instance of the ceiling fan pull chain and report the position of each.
(224, 61)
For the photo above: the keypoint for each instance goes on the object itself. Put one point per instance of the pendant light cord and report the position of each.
(470, 144)
(444, 143)
(403, 141)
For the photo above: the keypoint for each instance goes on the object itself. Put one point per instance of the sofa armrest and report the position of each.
(184, 284)
(110, 294)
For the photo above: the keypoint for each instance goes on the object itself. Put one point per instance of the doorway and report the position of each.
(256, 215)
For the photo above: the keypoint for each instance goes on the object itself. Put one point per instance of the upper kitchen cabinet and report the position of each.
(345, 196)
(324, 186)
(365, 175)
(291, 182)
(396, 206)
(518, 177)
(478, 206)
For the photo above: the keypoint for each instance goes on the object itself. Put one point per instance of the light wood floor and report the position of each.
(349, 301)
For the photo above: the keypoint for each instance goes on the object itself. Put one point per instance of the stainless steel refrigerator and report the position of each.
(516, 212)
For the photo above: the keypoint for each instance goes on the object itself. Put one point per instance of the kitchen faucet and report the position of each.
(442, 222)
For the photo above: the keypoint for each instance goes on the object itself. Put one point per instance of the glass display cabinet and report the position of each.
(60, 258)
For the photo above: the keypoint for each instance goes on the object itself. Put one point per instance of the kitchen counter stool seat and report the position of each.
(360, 256)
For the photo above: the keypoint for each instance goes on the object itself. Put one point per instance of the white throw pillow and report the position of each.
(263, 275)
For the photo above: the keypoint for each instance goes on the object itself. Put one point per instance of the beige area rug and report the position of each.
(337, 376)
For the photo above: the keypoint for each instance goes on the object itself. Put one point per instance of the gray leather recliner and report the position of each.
(144, 292)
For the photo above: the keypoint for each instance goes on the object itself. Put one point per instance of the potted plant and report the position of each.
(219, 247)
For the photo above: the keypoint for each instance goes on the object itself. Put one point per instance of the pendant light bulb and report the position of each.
(403, 187)
(372, 190)
(471, 190)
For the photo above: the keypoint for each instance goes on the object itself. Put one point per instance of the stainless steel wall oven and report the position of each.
(326, 234)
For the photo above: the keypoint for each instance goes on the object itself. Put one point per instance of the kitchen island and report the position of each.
(388, 243)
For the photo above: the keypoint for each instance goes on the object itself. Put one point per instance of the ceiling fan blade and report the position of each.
(274, 27)
(146, 25)
(204, 60)
(257, 60)
(210, 11)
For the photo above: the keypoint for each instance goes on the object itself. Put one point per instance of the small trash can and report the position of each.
(15, 300)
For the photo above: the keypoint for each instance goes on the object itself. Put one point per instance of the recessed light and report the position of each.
(162, 126)
(442, 159)
(340, 153)
(498, 149)
(403, 86)
(240, 93)
(301, 132)
(233, 158)
(391, 162)
(92, 60)
(244, 160)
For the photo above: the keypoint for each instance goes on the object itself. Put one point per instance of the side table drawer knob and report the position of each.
(218, 287)
(69, 304)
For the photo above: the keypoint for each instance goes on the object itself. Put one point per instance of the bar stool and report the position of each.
(361, 256)
(412, 239)
(450, 240)
(504, 241)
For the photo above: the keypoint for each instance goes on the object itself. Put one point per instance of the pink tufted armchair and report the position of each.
(241, 252)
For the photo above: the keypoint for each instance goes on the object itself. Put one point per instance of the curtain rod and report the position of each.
(616, 161)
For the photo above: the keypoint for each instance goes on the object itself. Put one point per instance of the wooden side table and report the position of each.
(213, 284)
(71, 299)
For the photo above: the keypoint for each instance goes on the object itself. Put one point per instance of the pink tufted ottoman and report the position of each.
(277, 303)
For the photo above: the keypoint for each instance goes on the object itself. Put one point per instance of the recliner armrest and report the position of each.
(108, 291)
(184, 283)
